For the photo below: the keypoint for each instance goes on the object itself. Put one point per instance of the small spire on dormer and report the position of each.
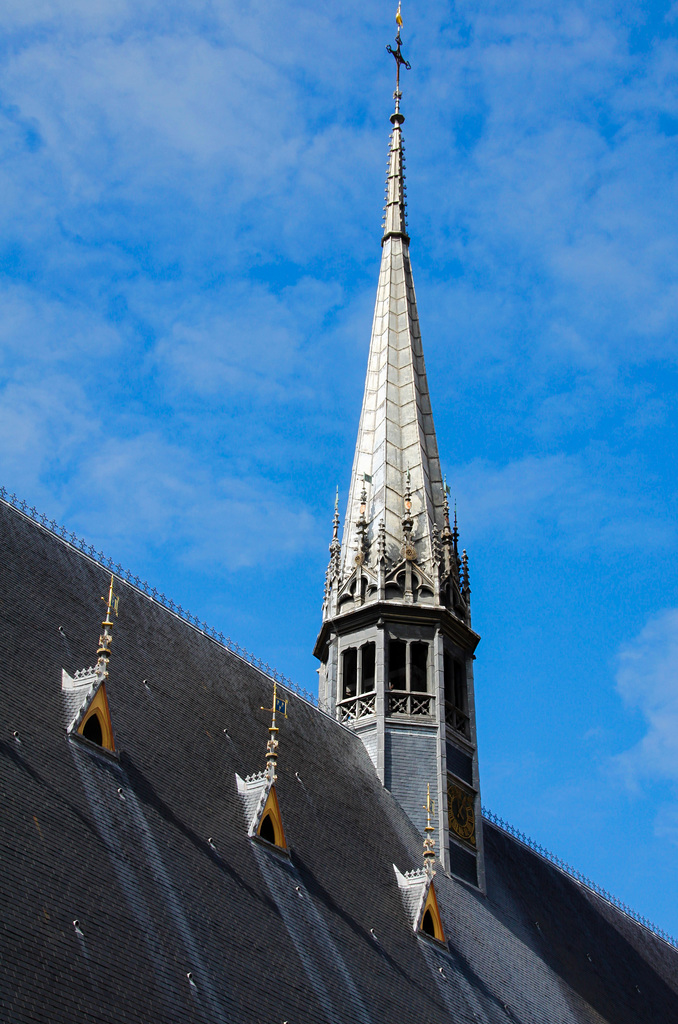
(279, 706)
(106, 638)
(429, 842)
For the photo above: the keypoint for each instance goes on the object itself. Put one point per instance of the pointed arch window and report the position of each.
(431, 922)
(92, 730)
(271, 827)
(96, 725)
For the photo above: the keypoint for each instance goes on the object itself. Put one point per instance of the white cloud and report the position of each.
(647, 679)
(580, 501)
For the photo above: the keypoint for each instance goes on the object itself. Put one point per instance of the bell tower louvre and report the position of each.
(396, 645)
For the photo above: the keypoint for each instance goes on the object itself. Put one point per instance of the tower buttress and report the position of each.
(396, 646)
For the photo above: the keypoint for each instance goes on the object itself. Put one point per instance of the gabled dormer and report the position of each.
(417, 889)
(84, 694)
(258, 792)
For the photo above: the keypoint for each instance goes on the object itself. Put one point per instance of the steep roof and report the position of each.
(122, 847)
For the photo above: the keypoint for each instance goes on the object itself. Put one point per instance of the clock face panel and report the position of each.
(461, 813)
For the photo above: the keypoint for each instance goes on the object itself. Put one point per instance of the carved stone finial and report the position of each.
(465, 579)
(408, 522)
(437, 551)
(361, 528)
(335, 545)
(446, 504)
(381, 542)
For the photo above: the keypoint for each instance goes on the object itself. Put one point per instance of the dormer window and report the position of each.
(271, 827)
(431, 922)
(427, 925)
(86, 706)
(262, 810)
(92, 731)
(267, 830)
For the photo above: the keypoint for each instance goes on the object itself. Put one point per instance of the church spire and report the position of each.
(396, 645)
(396, 432)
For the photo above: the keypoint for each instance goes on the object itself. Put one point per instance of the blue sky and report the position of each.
(188, 258)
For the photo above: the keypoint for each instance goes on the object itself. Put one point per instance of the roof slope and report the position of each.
(321, 937)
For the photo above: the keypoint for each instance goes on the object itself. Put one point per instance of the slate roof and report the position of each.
(320, 937)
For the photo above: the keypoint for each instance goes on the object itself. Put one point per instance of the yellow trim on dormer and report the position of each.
(272, 811)
(99, 707)
(431, 906)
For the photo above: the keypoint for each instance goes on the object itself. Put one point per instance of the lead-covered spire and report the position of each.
(396, 436)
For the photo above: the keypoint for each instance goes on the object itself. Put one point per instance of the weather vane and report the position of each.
(399, 59)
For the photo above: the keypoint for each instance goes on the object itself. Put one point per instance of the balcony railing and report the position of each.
(413, 705)
(458, 720)
(352, 708)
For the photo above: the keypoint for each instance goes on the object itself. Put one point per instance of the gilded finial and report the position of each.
(429, 829)
(279, 705)
(106, 638)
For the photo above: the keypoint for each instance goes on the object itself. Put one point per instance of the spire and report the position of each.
(429, 829)
(396, 431)
(106, 638)
(279, 704)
